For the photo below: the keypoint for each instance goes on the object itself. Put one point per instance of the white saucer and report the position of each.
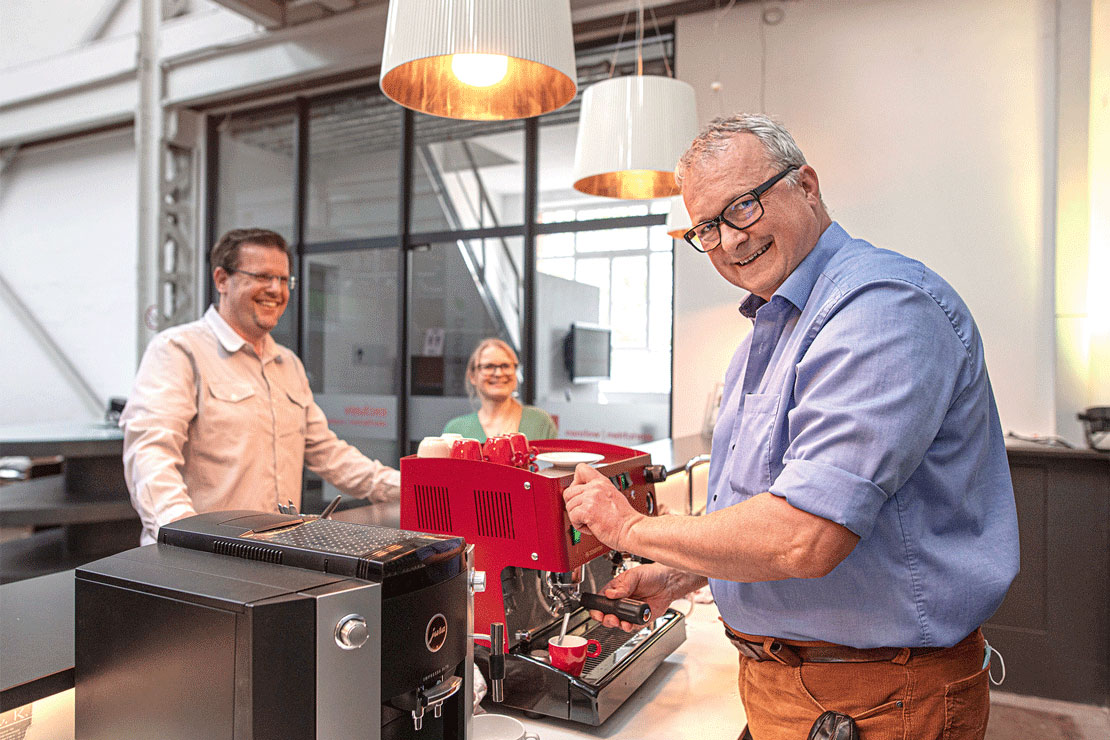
(569, 459)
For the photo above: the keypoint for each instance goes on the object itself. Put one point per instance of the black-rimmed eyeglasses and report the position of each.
(265, 278)
(490, 368)
(743, 211)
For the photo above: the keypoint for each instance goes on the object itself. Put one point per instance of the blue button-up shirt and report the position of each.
(861, 395)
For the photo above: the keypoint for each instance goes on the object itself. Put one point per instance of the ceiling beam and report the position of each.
(268, 13)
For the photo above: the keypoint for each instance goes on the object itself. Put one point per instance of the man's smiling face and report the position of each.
(250, 307)
(760, 257)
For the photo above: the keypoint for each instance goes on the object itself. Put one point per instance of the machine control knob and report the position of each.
(351, 633)
(478, 581)
(655, 473)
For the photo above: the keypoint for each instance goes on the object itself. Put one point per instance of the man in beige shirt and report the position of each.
(221, 416)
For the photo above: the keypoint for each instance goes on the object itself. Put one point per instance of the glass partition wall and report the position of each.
(417, 236)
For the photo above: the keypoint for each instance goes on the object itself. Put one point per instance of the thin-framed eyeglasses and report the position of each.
(265, 278)
(489, 368)
(743, 211)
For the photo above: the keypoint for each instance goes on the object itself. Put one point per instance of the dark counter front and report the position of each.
(1053, 628)
(36, 639)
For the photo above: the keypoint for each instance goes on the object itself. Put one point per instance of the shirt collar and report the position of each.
(799, 284)
(230, 339)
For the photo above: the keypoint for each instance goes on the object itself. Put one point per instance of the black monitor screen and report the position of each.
(587, 353)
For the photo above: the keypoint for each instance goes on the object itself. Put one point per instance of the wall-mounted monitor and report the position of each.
(586, 352)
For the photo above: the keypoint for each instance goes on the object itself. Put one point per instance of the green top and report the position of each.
(534, 424)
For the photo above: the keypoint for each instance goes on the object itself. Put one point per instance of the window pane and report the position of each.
(621, 211)
(351, 347)
(467, 174)
(629, 304)
(595, 272)
(634, 406)
(256, 186)
(555, 216)
(559, 267)
(354, 148)
(554, 245)
(451, 311)
(660, 240)
(659, 301)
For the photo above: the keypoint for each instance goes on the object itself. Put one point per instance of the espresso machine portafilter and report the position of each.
(541, 572)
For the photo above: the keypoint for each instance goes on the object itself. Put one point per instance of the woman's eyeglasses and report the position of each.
(490, 368)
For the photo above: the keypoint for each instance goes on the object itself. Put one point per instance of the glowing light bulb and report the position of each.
(479, 70)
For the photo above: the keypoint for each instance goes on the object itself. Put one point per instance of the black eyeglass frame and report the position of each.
(291, 280)
(490, 368)
(755, 192)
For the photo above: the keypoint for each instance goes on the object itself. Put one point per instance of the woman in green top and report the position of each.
(491, 380)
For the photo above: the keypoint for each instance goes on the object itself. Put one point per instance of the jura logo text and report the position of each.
(435, 634)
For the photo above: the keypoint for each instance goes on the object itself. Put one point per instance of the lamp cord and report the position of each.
(617, 46)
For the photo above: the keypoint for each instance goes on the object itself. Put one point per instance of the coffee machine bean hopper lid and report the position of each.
(398, 559)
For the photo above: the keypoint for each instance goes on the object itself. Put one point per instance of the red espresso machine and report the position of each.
(538, 568)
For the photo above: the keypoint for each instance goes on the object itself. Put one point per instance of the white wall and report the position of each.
(36, 30)
(67, 248)
(930, 125)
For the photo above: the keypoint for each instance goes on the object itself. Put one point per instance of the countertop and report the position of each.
(69, 439)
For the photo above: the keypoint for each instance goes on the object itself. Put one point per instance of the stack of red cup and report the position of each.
(508, 449)
(466, 449)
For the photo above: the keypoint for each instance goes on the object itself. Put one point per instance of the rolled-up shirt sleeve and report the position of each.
(341, 464)
(871, 394)
(155, 426)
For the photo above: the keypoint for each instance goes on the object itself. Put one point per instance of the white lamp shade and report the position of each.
(422, 38)
(678, 218)
(631, 134)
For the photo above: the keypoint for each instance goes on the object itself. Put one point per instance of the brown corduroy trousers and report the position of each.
(942, 695)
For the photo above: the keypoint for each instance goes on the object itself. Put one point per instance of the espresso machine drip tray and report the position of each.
(625, 662)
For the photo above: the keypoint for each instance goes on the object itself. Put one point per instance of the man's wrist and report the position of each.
(627, 539)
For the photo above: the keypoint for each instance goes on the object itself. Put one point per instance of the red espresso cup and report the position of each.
(498, 450)
(570, 654)
(466, 449)
(522, 453)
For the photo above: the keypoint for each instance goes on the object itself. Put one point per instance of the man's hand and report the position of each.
(597, 508)
(655, 584)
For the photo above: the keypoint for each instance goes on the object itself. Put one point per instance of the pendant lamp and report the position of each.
(480, 60)
(631, 133)
(678, 218)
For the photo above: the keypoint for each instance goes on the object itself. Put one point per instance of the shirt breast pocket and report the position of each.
(292, 414)
(755, 429)
(229, 411)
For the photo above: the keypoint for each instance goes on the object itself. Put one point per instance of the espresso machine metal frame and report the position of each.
(523, 541)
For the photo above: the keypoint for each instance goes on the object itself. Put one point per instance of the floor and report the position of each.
(1016, 717)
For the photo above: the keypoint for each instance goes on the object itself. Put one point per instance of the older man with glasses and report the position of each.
(222, 417)
(861, 523)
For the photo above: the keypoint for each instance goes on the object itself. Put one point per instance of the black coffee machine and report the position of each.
(243, 625)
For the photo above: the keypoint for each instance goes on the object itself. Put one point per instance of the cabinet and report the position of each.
(1053, 628)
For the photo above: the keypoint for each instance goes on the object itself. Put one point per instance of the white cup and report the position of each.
(498, 727)
(434, 447)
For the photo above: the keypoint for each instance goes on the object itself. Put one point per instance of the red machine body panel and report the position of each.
(514, 517)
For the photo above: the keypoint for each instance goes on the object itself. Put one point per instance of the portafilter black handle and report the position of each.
(627, 610)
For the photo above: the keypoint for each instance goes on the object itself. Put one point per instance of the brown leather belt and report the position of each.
(796, 655)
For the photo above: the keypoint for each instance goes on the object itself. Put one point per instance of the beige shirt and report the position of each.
(210, 426)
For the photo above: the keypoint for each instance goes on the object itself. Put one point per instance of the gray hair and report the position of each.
(715, 138)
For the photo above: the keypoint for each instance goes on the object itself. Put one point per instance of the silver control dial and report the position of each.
(351, 633)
